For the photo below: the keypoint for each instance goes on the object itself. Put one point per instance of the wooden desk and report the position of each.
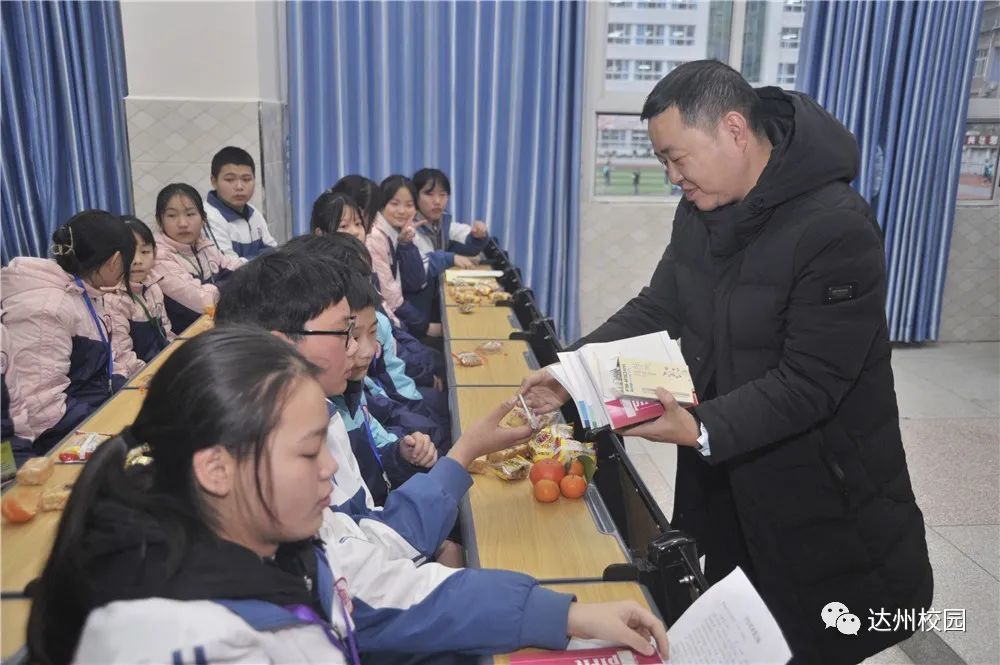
(202, 324)
(473, 403)
(549, 541)
(142, 379)
(507, 368)
(593, 592)
(14, 626)
(115, 414)
(487, 322)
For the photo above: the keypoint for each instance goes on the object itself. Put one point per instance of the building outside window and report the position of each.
(681, 35)
(790, 37)
(647, 34)
(786, 73)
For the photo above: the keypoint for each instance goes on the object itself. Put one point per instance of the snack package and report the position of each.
(484, 289)
(521, 450)
(467, 308)
(469, 359)
(36, 471)
(55, 498)
(500, 296)
(556, 441)
(491, 347)
(515, 468)
(81, 447)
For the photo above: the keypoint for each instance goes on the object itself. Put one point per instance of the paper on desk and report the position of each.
(729, 623)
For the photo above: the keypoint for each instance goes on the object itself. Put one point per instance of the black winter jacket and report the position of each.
(778, 301)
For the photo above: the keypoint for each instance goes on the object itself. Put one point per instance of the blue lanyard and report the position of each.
(105, 338)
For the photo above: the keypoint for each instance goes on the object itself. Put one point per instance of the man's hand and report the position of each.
(438, 383)
(464, 262)
(542, 393)
(434, 330)
(418, 450)
(676, 425)
(479, 229)
(486, 436)
(624, 622)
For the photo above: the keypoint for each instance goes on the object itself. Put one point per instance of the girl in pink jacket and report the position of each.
(142, 304)
(64, 357)
(395, 259)
(189, 267)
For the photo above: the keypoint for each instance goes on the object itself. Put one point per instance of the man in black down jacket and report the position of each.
(792, 466)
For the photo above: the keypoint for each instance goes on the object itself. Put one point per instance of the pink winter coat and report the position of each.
(189, 276)
(144, 310)
(57, 371)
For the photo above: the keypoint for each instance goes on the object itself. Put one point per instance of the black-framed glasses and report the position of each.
(346, 334)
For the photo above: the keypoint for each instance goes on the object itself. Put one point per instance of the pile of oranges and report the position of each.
(550, 478)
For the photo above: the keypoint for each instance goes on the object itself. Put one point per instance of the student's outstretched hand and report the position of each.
(418, 450)
(624, 622)
(407, 233)
(479, 229)
(542, 393)
(486, 436)
(465, 262)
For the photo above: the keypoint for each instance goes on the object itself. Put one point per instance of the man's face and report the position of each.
(365, 333)
(707, 166)
(234, 185)
(333, 354)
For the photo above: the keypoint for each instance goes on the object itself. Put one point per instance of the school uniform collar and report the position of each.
(383, 225)
(228, 213)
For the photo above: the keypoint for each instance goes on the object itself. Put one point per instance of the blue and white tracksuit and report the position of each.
(237, 233)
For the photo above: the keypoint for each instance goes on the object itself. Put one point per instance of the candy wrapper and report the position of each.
(81, 447)
(467, 308)
(556, 441)
(515, 468)
(492, 347)
(469, 359)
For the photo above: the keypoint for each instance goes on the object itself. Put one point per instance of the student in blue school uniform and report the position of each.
(332, 213)
(223, 548)
(235, 226)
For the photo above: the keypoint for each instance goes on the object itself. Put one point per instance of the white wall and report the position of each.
(204, 50)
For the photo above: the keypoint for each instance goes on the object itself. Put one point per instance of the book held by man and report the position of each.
(613, 384)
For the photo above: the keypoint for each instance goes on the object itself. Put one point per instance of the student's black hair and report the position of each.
(365, 193)
(226, 387)
(329, 208)
(172, 190)
(138, 227)
(429, 179)
(232, 155)
(341, 252)
(347, 252)
(88, 239)
(703, 92)
(281, 291)
(393, 184)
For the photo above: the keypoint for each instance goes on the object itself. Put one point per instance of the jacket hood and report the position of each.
(29, 274)
(811, 148)
(125, 556)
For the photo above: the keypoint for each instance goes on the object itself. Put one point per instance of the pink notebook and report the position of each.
(605, 656)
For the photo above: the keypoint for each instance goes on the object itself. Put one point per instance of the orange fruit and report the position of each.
(575, 468)
(14, 511)
(549, 469)
(573, 486)
(546, 490)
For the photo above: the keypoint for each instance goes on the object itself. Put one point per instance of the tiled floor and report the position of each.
(949, 404)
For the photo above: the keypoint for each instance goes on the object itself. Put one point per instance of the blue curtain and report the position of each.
(897, 74)
(489, 92)
(63, 122)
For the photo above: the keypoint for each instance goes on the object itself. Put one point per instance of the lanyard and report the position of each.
(157, 324)
(347, 645)
(105, 338)
(196, 264)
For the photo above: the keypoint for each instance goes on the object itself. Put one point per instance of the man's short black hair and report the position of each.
(429, 179)
(232, 155)
(703, 92)
(281, 291)
(341, 252)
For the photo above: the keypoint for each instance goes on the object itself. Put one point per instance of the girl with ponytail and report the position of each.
(63, 358)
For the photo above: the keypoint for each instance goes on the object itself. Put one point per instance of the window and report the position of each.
(619, 33)
(681, 35)
(978, 173)
(790, 37)
(786, 73)
(648, 70)
(982, 55)
(616, 70)
(649, 35)
(632, 44)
